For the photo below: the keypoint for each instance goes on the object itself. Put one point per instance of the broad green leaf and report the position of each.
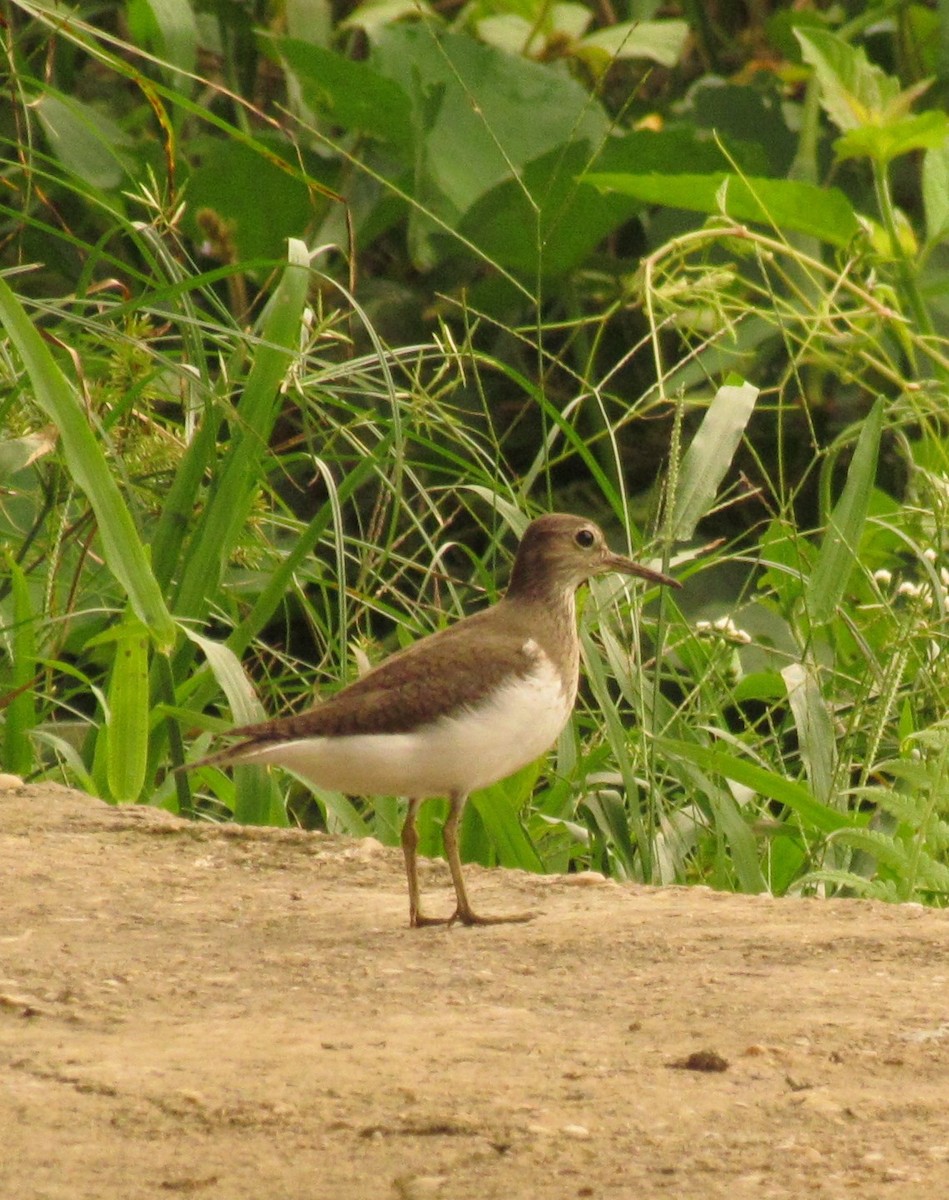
(866, 104)
(257, 798)
(377, 14)
(128, 719)
(759, 685)
(470, 103)
(474, 845)
(509, 32)
(853, 91)
(926, 131)
(66, 752)
(710, 455)
(542, 221)
(936, 191)
(87, 142)
(786, 859)
(824, 213)
(388, 817)
(342, 816)
(87, 463)
(429, 824)
(350, 93)
(838, 552)
(565, 19)
(815, 729)
(311, 20)
(667, 152)
(746, 121)
(545, 221)
(660, 41)
(246, 187)
(529, 29)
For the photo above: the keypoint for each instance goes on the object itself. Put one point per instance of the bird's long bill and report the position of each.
(626, 566)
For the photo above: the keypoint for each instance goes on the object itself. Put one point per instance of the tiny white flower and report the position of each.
(883, 577)
(725, 628)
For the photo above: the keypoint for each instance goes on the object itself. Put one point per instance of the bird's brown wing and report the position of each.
(439, 675)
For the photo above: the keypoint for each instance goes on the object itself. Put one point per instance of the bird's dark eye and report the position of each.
(585, 538)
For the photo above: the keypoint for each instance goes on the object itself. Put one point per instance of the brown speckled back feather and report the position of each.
(443, 673)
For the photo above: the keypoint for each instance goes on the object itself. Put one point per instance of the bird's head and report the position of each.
(558, 552)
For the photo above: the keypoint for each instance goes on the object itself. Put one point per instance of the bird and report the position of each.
(458, 710)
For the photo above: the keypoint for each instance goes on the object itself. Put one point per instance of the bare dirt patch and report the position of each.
(232, 1014)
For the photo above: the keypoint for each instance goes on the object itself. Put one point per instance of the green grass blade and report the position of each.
(709, 456)
(815, 729)
(127, 727)
(257, 799)
(796, 796)
(238, 479)
(21, 710)
(70, 758)
(838, 552)
(637, 830)
(498, 807)
(88, 466)
(276, 587)
(342, 816)
(742, 846)
(183, 497)
(741, 865)
(609, 813)
(231, 678)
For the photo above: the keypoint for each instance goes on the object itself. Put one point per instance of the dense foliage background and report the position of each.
(307, 308)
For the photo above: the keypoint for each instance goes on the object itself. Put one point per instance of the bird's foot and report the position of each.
(418, 920)
(468, 917)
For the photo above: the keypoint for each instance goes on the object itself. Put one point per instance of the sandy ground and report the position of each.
(242, 1014)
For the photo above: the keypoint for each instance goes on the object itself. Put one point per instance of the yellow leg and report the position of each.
(409, 848)
(464, 912)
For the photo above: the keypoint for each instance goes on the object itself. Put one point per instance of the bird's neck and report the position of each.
(549, 616)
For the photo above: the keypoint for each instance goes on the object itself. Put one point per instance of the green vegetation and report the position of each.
(305, 311)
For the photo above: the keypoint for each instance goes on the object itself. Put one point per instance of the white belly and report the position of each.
(458, 754)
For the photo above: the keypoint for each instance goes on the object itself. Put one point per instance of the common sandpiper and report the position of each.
(460, 709)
